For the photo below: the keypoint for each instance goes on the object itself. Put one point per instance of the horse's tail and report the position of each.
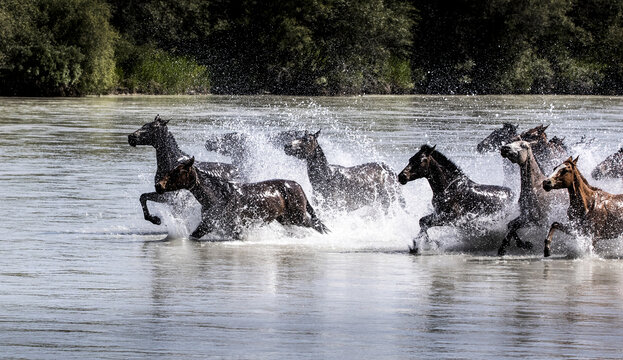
(316, 223)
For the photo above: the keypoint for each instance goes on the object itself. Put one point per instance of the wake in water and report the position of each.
(367, 228)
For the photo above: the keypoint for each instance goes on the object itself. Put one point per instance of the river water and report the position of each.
(82, 275)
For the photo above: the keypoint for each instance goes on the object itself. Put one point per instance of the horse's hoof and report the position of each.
(525, 245)
(414, 250)
(155, 220)
(501, 252)
(546, 252)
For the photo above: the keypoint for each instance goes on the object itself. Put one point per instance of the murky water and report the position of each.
(82, 275)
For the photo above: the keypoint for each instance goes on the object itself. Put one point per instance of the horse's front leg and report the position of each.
(155, 197)
(555, 226)
(426, 222)
(204, 227)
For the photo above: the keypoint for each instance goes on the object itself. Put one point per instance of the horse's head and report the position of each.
(418, 166)
(563, 175)
(497, 138)
(517, 152)
(183, 176)
(150, 133)
(611, 167)
(533, 135)
(303, 147)
(230, 144)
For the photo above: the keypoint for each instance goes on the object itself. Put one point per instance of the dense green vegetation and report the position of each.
(78, 47)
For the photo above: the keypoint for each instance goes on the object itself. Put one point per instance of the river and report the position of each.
(83, 275)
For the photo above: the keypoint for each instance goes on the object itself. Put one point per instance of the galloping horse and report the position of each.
(345, 187)
(592, 211)
(547, 153)
(454, 194)
(534, 202)
(611, 167)
(239, 146)
(168, 154)
(231, 207)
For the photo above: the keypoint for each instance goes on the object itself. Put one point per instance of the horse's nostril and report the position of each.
(132, 140)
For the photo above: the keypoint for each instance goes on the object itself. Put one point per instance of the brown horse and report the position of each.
(231, 207)
(534, 202)
(592, 211)
(454, 194)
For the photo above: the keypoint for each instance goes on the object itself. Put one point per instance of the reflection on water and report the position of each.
(84, 276)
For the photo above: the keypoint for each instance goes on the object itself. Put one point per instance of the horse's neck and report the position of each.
(531, 175)
(318, 166)
(440, 178)
(581, 196)
(167, 153)
(205, 191)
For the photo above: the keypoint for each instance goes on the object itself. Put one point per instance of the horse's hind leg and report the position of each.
(155, 197)
(513, 227)
(550, 234)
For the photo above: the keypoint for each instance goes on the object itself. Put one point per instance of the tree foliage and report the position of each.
(315, 47)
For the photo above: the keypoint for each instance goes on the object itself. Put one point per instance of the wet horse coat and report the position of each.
(534, 202)
(611, 167)
(454, 194)
(168, 154)
(345, 187)
(231, 207)
(592, 211)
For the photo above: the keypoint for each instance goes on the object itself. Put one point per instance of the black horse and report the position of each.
(168, 154)
(454, 194)
(535, 204)
(611, 167)
(230, 207)
(345, 187)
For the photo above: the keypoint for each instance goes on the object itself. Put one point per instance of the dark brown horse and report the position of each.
(534, 202)
(592, 211)
(611, 167)
(168, 154)
(345, 187)
(454, 194)
(231, 207)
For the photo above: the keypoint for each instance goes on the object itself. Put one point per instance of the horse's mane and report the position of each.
(444, 161)
(594, 188)
(222, 186)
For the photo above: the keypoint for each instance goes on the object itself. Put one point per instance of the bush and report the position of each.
(56, 47)
(155, 71)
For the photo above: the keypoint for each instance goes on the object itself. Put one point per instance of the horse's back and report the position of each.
(219, 170)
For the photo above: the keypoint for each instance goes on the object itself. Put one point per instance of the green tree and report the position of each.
(56, 47)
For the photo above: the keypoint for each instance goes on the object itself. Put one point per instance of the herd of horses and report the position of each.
(229, 204)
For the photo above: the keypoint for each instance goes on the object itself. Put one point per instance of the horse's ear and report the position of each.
(543, 128)
(188, 163)
(575, 162)
(621, 150)
(317, 133)
(431, 150)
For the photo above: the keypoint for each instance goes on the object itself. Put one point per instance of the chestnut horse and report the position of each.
(454, 194)
(592, 211)
(230, 206)
(534, 202)
(168, 154)
(345, 187)
(611, 167)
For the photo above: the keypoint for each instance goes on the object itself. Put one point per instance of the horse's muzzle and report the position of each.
(402, 179)
(548, 185)
(132, 140)
(159, 188)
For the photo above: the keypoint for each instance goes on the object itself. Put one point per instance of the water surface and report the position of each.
(84, 276)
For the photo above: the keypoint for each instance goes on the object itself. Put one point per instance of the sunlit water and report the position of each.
(82, 275)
